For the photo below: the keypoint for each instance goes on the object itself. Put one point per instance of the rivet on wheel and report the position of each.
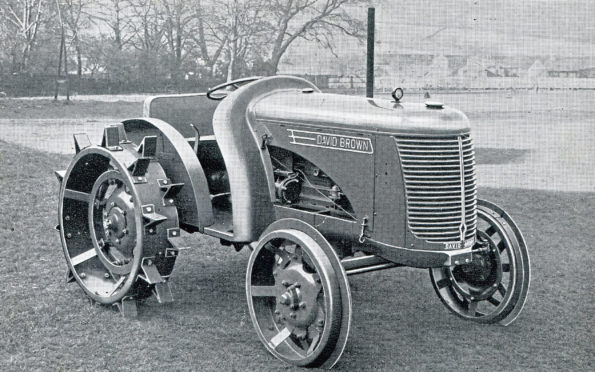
(174, 233)
(67, 218)
(495, 285)
(165, 182)
(112, 204)
(456, 262)
(106, 275)
(117, 241)
(151, 231)
(139, 178)
(149, 262)
(69, 235)
(472, 298)
(171, 201)
(83, 275)
(466, 260)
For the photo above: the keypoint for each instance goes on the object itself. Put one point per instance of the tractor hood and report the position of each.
(355, 113)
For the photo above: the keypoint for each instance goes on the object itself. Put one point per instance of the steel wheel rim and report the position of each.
(285, 338)
(84, 262)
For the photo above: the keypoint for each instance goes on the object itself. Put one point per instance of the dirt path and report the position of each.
(523, 140)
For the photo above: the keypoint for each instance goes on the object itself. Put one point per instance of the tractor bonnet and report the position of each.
(360, 114)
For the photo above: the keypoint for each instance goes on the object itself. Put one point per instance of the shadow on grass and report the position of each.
(486, 155)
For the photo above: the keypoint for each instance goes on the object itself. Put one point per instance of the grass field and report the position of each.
(398, 322)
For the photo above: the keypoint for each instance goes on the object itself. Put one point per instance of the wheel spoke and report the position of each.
(280, 337)
(284, 258)
(117, 285)
(116, 254)
(76, 195)
(442, 283)
(472, 307)
(501, 246)
(314, 342)
(110, 191)
(298, 253)
(263, 291)
(490, 230)
(76, 260)
(493, 301)
(501, 289)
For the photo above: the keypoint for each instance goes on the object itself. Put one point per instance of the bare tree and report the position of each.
(207, 34)
(113, 14)
(146, 25)
(24, 18)
(244, 27)
(177, 19)
(76, 17)
(314, 20)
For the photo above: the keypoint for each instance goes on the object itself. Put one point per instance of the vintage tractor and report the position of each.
(319, 186)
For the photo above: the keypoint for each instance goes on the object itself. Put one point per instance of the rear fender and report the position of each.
(181, 165)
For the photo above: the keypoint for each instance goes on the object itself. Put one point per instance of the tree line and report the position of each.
(165, 39)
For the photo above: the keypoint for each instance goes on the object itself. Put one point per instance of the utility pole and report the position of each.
(62, 55)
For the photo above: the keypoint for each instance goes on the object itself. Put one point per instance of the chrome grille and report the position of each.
(435, 186)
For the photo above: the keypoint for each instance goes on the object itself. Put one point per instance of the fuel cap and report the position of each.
(434, 104)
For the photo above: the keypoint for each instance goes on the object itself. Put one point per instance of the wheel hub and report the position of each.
(113, 222)
(479, 279)
(297, 297)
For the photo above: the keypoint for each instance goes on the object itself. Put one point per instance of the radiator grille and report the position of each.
(435, 186)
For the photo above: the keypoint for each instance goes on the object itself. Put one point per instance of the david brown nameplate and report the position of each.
(331, 141)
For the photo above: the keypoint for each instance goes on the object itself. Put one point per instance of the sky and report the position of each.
(501, 27)
(538, 29)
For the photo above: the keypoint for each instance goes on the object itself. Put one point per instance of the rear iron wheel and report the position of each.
(117, 212)
(297, 299)
(492, 288)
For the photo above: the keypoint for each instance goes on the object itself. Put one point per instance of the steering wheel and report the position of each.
(235, 84)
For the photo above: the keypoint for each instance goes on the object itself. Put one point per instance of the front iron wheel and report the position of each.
(295, 300)
(493, 287)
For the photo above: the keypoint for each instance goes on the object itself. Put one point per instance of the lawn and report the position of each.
(398, 322)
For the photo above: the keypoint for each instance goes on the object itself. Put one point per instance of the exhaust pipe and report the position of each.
(370, 55)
